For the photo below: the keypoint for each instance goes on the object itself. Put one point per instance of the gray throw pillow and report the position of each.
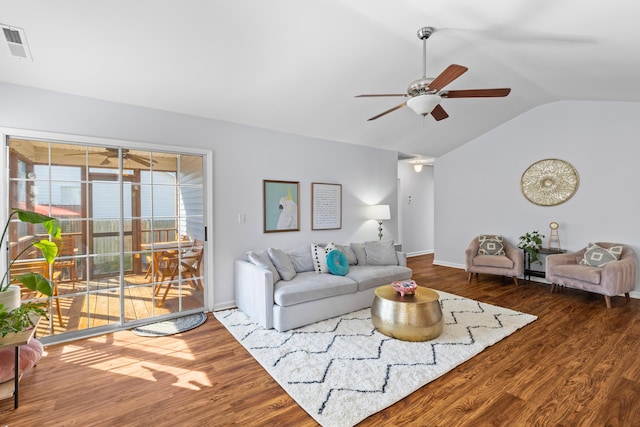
(597, 256)
(301, 258)
(261, 259)
(380, 252)
(283, 263)
(491, 245)
(358, 249)
(351, 256)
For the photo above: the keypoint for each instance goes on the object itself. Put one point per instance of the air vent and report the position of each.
(17, 41)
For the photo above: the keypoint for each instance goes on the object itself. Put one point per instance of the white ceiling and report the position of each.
(295, 66)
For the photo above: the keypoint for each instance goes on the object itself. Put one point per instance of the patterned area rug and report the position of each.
(342, 370)
(170, 327)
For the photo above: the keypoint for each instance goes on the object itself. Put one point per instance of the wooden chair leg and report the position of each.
(553, 287)
(515, 280)
(469, 279)
(627, 296)
(607, 300)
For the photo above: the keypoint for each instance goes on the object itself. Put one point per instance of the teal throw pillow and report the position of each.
(337, 263)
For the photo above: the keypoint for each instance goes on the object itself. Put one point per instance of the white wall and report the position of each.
(242, 158)
(478, 184)
(416, 209)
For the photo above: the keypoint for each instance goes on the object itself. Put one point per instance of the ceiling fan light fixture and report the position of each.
(424, 104)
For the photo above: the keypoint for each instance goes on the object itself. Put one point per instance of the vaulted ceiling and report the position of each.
(295, 66)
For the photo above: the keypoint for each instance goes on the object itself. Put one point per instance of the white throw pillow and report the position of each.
(319, 256)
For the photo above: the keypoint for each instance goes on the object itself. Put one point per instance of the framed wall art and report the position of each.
(326, 206)
(280, 205)
(549, 182)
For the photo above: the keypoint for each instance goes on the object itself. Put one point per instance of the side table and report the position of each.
(9, 388)
(528, 272)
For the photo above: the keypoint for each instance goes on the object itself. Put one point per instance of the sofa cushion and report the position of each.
(309, 286)
(597, 256)
(301, 258)
(372, 276)
(380, 252)
(337, 262)
(358, 250)
(490, 245)
(319, 257)
(283, 263)
(348, 251)
(261, 259)
(583, 273)
(501, 261)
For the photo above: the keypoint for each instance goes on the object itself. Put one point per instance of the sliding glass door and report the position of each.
(133, 225)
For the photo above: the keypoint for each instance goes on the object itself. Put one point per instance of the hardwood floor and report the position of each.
(577, 365)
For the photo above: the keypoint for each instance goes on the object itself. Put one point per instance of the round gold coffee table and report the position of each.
(416, 317)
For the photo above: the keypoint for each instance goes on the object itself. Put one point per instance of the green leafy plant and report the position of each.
(531, 243)
(19, 318)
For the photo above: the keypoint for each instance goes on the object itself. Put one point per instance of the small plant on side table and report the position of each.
(19, 318)
(531, 244)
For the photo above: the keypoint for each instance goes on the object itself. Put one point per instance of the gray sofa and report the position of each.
(284, 289)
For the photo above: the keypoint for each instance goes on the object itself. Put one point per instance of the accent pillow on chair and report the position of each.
(597, 256)
(491, 245)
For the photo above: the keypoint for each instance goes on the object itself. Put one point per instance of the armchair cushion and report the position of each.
(490, 245)
(584, 273)
(597, 256)
(500, 261)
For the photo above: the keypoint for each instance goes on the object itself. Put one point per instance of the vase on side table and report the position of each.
(11, 297)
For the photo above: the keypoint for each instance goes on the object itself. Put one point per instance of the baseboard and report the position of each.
(449, 264)
(224, 305)
(412, 254)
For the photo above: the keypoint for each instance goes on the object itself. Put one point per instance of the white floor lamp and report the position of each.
(380, 213)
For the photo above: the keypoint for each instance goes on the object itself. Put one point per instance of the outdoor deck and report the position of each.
(100, 305)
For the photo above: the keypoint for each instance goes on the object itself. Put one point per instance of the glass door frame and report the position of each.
(52, 137)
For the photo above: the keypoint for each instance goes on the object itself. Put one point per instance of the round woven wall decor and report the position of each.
(549, 182)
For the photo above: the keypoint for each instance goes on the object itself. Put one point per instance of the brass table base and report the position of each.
(416, 317)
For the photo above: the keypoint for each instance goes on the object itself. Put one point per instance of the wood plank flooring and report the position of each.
(577, 365)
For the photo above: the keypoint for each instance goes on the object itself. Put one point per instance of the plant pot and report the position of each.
(10, 298)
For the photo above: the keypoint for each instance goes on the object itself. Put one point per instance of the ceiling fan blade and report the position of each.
(382, 94)
(397, 107)
(138, 159)
(451, 73)
(475, 93)
(438, 113)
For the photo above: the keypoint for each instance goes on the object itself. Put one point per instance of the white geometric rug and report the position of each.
(342, 370)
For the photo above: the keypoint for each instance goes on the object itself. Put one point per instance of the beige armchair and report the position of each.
(611, 279)
(505, 261)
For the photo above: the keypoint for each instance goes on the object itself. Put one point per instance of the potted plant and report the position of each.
(531, 244)
(16, 317)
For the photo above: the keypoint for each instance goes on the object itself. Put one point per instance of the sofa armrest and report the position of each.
(254, 292)
(471, 252)
(402, 258)
(619, 277)
(517, 256)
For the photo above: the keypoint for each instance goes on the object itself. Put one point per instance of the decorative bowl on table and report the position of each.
(405, 287)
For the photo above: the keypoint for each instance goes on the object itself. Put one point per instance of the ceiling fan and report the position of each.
(112, 153)
(426, 93)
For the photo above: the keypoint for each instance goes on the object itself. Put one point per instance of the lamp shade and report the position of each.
(380, 212)
(417, 167)
(424, 104)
